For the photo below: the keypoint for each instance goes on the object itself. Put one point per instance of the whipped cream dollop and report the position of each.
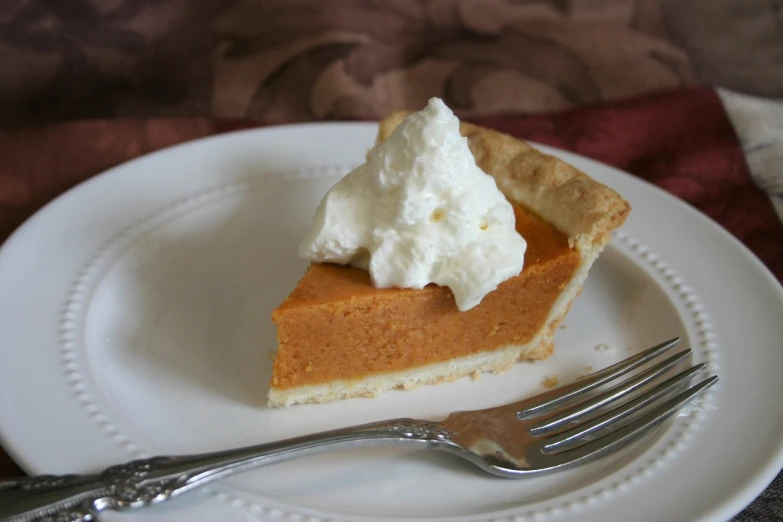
(420, 211)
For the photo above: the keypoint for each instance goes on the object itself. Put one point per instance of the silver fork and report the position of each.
(554, 430)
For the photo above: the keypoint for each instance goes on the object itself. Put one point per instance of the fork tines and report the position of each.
(570, 426)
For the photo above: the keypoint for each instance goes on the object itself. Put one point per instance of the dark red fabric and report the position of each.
(681, 141)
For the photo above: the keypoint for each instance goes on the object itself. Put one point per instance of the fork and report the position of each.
(551, 431)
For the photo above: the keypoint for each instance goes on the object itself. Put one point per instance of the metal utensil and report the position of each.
(556, 429)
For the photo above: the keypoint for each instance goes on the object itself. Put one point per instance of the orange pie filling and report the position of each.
(337, 326)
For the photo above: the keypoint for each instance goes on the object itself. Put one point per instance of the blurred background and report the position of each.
(300, 60)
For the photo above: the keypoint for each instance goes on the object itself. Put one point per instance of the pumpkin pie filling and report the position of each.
(337, 326)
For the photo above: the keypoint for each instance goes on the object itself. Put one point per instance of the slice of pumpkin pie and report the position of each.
(453, 250)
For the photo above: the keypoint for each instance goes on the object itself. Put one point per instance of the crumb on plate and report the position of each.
(604, 347)
(588, 372)
(551, 382)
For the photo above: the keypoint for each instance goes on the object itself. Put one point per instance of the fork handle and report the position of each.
(59, 498)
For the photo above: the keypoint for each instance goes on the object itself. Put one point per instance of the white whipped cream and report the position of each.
(420, 211)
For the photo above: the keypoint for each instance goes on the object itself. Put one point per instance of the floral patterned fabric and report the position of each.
(301, 60)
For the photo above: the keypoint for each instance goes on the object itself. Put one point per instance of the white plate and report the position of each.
(134, 320)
